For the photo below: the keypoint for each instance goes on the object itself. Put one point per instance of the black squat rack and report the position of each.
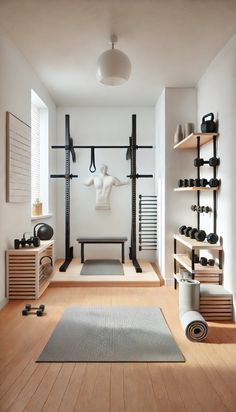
(69, 148)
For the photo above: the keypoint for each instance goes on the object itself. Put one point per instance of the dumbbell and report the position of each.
(184, 230)
(199, 235)
(200, 209)
(213, 161)
(212, 182)
(204, 261)
(29, 307)
(183, 182)
(38, 310)
(186, 183)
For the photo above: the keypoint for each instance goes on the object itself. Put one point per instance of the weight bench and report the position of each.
(102, 240)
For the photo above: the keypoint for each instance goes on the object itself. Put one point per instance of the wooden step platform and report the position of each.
(216, 303)
(71, 278)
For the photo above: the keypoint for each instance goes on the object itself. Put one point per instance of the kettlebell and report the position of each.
(208, 126)
(47, 268)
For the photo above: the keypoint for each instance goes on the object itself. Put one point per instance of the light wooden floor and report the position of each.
(206, 382)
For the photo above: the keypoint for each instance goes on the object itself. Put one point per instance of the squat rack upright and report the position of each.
(69, 148)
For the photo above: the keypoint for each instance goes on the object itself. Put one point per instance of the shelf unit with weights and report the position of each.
(24, 271)
(207, 274)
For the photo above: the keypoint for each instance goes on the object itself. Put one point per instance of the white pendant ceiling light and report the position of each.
(113, 66)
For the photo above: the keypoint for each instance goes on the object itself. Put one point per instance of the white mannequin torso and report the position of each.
(103, 185)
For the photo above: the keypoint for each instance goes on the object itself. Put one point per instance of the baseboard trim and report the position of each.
(169, 281)
(3, 303)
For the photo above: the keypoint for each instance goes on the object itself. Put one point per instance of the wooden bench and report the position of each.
(101, 240)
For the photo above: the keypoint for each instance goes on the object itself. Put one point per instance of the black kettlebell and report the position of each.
(208, 126)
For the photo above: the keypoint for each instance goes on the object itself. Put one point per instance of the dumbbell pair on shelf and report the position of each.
(199, 235)
(204, 261)
(201, 209)
(198, 182)
(213, 161)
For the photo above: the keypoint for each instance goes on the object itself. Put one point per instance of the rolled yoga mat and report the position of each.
(194, 325)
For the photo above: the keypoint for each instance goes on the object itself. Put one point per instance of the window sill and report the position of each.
(47, 216)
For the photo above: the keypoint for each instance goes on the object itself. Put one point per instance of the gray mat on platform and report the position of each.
(111, 334)
(107, 267)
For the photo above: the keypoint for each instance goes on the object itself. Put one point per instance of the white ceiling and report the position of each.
(169, 43)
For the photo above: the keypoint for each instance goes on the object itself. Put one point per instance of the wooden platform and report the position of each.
(149, 276)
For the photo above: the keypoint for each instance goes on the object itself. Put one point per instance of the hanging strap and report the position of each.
(92, 167)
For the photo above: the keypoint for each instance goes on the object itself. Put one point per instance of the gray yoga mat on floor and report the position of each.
(193, 323)
(111, 334)
(107, 267)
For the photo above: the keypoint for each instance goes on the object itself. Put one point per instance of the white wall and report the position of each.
(217, 94)
(16, 80)
(103, 126)
(175, 106)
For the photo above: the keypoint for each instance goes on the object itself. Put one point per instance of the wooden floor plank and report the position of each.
(55, 396)
(138, 391)
(26, 394)
(205, 382)
(41, 394)
(17, 386)
(95, 391)
(73, 388)
(117, 402)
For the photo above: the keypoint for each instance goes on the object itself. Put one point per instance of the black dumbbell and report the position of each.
(194, 208)
(191, 182)
(205, 262)
(212, 238)
(185, 182)
(204, 209)
(213, 161)
(28, 310)
(212, 182)
(192, 233)
(197, 182)
(25, 312)
(187, 231)
(200, 209)
(181, 183)
(199, 235)
(196, 258)
(29, 307)
(181, 229)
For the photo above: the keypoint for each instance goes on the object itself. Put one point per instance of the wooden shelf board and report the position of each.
(194, 244)
(192, 189)
(190, 142)
(185, 261)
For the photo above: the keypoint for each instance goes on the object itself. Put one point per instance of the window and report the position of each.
(39, 152)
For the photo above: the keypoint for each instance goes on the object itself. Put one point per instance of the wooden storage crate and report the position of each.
(216, 303)
(24, 271)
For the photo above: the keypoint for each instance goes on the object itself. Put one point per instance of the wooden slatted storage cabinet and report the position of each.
(25, 279)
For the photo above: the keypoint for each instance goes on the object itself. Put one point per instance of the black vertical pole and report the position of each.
(68, 249)
(198, 176)
(133, 148)
(214, 191)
